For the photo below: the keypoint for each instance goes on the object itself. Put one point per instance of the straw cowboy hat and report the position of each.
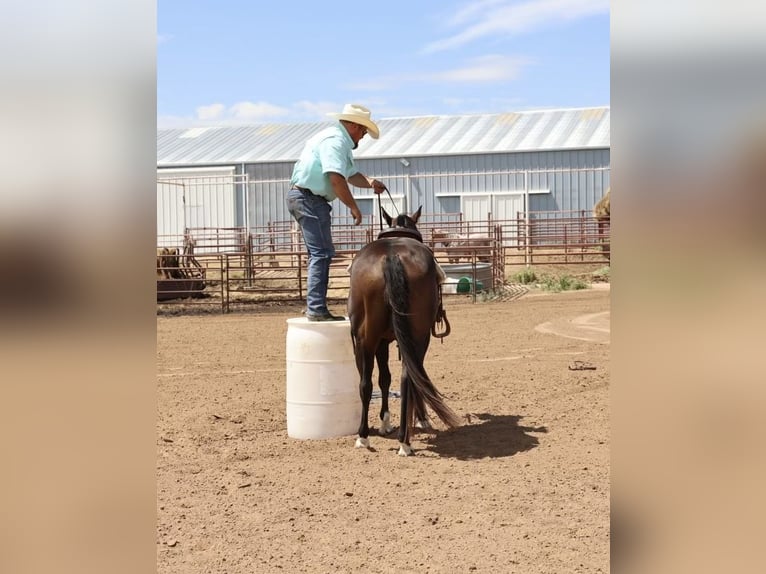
(359, 115)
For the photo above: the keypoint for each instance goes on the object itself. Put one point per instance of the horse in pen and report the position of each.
(461, 246)
(395, 295)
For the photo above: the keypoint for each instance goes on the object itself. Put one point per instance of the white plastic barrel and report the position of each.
(322, 380)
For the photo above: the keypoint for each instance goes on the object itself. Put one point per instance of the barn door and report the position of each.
(209, 193)
(171, 213)
(475, 209)
(505, 208)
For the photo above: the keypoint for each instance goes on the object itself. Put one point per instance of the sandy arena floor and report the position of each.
(522, 486)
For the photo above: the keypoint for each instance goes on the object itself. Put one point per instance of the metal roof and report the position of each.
(545, 130)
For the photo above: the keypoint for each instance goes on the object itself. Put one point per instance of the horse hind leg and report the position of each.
(364, 363)
(384, 382)
(423, 423)
(404, 424)
(420, 416)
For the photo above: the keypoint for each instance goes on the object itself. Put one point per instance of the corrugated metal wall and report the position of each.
(196, 197)
(269, 184)
(576, 180)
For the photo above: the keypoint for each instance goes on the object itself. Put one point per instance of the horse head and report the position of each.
(401, 226)
(403, 220)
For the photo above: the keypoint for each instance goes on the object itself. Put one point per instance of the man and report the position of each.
(322, 173)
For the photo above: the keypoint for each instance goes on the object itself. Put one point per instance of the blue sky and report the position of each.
(222, 62)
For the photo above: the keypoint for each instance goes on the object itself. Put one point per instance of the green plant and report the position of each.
(602, 273)
(525, 277)
(562, 283)
(487, 296)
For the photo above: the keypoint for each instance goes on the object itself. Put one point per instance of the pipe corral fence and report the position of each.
(226, 267)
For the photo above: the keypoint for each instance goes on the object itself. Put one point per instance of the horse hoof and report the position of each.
(405, 450)
(385, 425)
(362, 443)
(423, 424)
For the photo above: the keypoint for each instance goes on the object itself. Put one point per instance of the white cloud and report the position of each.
(173, 122)
(163, 38)
(211, 112)
(456, 102)
(256, 111)
(374, 85)
(481, 105)
(239, 113)
(475, 7)
(243, 113)
(317, 109)
(502, 17)
(490, 68)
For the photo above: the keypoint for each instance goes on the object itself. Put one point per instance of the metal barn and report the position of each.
(500, 164)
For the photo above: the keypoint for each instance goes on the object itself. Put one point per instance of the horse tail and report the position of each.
(421, 390)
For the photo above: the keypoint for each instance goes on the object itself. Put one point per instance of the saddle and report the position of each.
(441, 314)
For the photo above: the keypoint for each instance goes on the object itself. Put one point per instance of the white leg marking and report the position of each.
(405, 449)
(423, 424)
(385, 424)
(362, 442)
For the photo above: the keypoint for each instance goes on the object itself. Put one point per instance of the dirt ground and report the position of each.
(522, 486)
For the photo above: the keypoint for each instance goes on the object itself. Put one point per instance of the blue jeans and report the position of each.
(313, 215)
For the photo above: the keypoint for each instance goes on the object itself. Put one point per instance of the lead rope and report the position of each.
(380, 213)
(380, 208)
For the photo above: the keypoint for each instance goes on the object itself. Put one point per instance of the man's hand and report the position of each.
(357, 215)
(340, 186)
(378, 186)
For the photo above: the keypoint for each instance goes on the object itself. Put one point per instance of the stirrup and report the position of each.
(441, 318)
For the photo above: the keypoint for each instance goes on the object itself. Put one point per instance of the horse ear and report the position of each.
(386, 216)
(416, 215)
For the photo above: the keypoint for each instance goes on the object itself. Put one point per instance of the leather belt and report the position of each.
(309, 192)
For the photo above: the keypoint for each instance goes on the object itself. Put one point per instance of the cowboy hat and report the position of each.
(358, 115)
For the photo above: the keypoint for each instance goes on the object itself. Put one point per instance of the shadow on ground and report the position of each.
(484, 435)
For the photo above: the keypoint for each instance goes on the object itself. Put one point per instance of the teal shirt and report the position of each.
(326, 152)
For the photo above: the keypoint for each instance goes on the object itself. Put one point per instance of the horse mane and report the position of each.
(400, 232)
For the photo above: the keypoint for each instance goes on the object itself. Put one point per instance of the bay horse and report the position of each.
(395, 296)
